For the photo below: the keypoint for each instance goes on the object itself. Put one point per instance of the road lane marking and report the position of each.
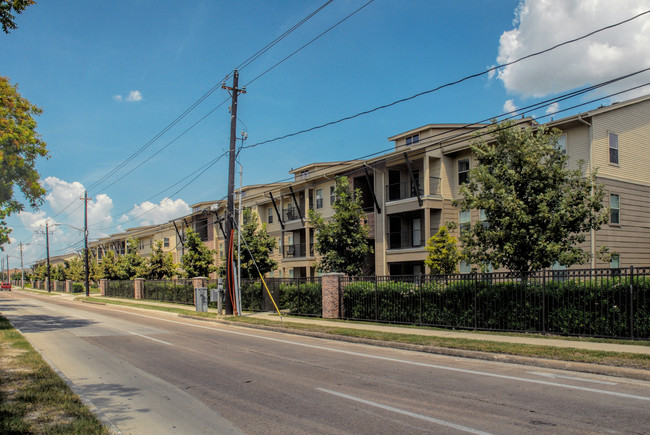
(404, 412)
(390, 359)
(150, 338)
(573, 378)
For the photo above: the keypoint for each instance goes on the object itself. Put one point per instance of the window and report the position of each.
(166, 242)
(465, 267)
(614, 209)
(561, 144)
(482, 218)
(613, 148)
(269, 212)
(319, 198)
(463, 171)
(417, 232)
(201, 228)
(290, 273)
(615, 261)
(332, 195)
(221, 250)
(413, 139)
(464, 221)
(304, 174)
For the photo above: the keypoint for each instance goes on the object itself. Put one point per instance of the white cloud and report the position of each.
(150, 213)
(134, 96)
(553, 108)
(509, 106)
(605, 55)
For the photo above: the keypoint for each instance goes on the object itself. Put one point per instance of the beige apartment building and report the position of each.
(407, 195)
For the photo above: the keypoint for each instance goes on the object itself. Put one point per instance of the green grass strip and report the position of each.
(33, 399)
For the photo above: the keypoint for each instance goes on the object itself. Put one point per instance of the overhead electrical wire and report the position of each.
(446, 85)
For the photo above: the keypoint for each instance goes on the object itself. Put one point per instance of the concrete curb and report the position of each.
(598, 369)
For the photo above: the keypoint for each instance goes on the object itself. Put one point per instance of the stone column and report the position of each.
(102, 287)
(199, 282)
(331, 299)
(68, 286)
(138, 287)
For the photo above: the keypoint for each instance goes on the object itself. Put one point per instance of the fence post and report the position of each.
(68, 286)
(102, 287)
(376, 299)
(544, 302)
(138, 288)
(331, 298)
(631, 301)
(475, 303)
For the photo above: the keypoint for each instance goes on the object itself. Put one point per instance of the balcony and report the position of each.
(297, 250)
(406, 240)
(290, 214)
(406, 189)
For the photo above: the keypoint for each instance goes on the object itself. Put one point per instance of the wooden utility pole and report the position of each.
(22, 268)
(230, 213)
(85, 199)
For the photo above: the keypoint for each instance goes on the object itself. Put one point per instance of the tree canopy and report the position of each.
(535, 211)
(7, 19)
(342, 241)
(198, 259)
(259, 243)
(20, 146)
(160, 264)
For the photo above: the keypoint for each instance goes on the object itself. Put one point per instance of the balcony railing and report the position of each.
(407, 189)
(298, 250)
(290, 214)
(406, 239)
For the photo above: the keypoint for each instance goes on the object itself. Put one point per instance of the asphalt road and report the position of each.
(155, 373)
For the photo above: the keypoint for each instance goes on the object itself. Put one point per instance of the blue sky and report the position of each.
(111, 75)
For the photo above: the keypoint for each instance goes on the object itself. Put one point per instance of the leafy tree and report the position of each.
(443, 252)
(57, 273)
(131, 265)
(40, 272)
(74, 269)
(160, 264)
(342, 242)
(20, 146)
(536, 210)
(109, 268)
(198, 259)
(259, 243)
(6, 17)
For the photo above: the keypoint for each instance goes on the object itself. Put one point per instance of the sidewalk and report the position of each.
(515, 339)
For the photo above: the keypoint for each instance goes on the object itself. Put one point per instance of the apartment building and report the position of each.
(407, 196)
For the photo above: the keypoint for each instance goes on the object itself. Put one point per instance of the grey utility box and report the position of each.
(201, 300)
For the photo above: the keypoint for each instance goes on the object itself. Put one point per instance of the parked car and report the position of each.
(5, 286)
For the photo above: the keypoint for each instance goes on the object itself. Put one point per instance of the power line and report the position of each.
(446, 85)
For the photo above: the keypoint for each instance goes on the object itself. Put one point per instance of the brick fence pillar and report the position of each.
(68, 286)
(138, 287)
(331, 299)
(102, 287)
(199, 282)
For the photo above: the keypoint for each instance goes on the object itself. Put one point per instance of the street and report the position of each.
(149, 372)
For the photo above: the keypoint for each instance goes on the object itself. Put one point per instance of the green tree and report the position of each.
(20, 146)
(443, 252)
(75, 269)
(40, 272)
(160, 264)
(535, 210)
(342, 241)
(57, 273)
(259, 243)
(131, 265)
(7, 19)
(109, 268)
(198, 259)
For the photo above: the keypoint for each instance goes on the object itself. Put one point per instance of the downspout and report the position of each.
(592, 232)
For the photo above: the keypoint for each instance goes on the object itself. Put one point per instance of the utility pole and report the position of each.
(8, 270)
(47, 247)
(230, 214)
(22, 268)
(85, 199)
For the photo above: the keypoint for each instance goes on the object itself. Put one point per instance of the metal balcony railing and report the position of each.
(298, 250)
(407, 189)
(406, 239)
(290, 214)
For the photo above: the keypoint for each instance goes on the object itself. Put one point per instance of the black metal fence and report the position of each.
(180, 291)
(299, 296)
(591, 302)
(120, 289)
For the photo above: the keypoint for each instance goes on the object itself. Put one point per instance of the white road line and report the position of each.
(395, 360)
(150, 338)
(408, 413)
(573, 378)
